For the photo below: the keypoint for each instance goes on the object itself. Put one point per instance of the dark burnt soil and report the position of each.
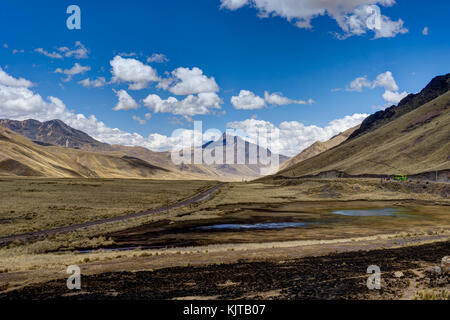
(336, 276)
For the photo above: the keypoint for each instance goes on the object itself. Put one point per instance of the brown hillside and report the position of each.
(57, 133)
(318, 147)
(418, 141)
(21, 157)
(438, 86)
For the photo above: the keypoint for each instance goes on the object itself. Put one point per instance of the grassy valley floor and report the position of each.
(231, 237)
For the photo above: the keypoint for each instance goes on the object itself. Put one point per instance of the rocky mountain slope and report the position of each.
(415, 142)
(54, 132)
(21, 157)
(434, 89)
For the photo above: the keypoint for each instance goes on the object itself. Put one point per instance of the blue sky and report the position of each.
(233, 46)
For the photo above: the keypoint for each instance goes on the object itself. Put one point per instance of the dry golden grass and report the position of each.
(433, 294)
(35, 204)
(416, 142)
(327, 189)
(45, 258)
(21, 157)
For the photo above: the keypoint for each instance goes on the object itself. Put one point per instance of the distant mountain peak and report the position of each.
(52, 132)
(58, 133)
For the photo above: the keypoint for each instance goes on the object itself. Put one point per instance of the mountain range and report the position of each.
(21, 157)
(88, 155)
(411, 138)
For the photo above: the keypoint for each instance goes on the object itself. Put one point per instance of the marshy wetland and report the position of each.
(282, 222)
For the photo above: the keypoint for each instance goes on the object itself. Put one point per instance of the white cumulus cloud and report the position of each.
(8, 80)
(354, 17)
(186, 81)
(126, 102)
(76, 69)
(293, 136)
(359, 83)
(369, 17)
(132, 71)
(279, 100)
(192, 105)
(52, 55)
(394, 97)
(384, 80)
(79, 51)
(20, 103)
(158, 58)
(233, 4)
(141, 121)
(247, 100)
(95, 83)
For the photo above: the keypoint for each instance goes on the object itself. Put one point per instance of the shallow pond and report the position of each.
(255, 226)
(384, 212)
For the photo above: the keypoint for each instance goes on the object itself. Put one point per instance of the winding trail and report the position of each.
(75, 227)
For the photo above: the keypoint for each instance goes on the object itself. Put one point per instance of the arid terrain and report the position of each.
(407, 273)
(375, 195)
(214, 239)
(53, 149)
(410, 138)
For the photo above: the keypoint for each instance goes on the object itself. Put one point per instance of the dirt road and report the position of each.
(43, 233)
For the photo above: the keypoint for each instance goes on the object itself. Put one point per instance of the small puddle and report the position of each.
(256, 226)
(385, 212)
